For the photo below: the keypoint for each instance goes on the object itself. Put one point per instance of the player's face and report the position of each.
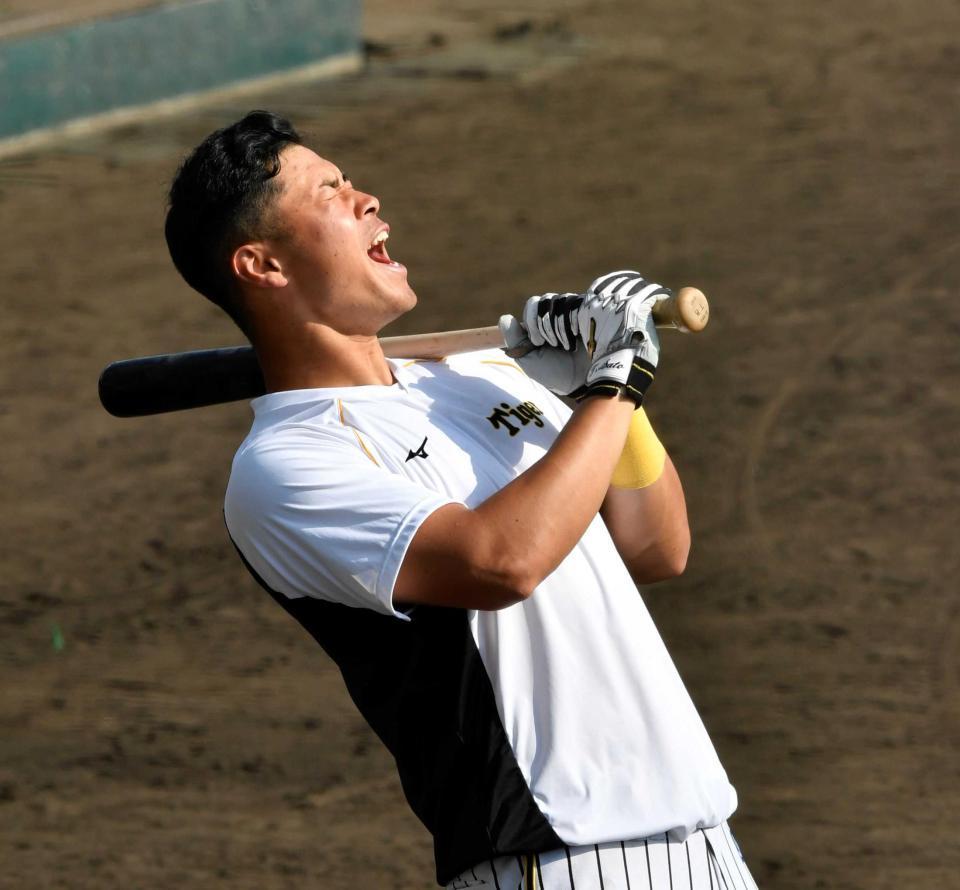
(333, 248)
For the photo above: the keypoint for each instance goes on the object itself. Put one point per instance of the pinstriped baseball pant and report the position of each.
(708, 859)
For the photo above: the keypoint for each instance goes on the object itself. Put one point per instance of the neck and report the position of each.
(314, 355)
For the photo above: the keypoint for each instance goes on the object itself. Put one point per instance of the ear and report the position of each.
(255, 265)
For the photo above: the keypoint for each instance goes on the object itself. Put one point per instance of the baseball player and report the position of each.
(461, 542)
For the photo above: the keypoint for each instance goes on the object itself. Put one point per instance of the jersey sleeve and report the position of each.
(314, 516)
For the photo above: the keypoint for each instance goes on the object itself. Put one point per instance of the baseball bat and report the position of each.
(156, 384)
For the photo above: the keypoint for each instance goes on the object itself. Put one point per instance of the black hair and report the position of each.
(220, 197)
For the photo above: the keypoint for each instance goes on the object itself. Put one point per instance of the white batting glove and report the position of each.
(559, 370)
(615, 323)
(626, 283)
(551, 319)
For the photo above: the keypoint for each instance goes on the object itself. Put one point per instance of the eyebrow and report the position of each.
(335, 181)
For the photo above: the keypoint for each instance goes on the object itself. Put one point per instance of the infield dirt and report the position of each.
(164, 724)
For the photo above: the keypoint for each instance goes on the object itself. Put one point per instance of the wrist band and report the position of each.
(608, 377)
(641, 463)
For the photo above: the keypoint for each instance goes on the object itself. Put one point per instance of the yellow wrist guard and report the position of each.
(641, 463)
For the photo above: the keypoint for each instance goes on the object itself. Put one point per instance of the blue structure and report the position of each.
(188, 47)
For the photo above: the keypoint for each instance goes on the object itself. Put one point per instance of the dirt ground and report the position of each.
(163, 724)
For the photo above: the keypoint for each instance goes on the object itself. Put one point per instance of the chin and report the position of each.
(398, 305)
(407, 300)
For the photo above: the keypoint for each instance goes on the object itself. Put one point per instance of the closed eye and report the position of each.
(335, 182)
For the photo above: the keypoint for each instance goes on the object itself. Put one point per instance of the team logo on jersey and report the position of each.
(524, 413)
(420, 452)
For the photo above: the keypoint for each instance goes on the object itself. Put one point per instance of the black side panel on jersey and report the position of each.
(422, 687)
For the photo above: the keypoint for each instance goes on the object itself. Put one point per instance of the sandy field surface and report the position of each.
(163, 724)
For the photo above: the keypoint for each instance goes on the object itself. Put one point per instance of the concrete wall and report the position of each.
(178, 49)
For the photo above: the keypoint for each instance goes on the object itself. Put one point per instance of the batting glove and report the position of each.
(615, 323)
(559, 370)
(551, 319)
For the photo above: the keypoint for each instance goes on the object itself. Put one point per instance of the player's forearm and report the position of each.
(531, 524)
(494, 555)
(649, 527)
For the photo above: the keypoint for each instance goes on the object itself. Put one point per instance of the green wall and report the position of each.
(88, 68)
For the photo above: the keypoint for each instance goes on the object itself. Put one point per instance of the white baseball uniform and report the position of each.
(555, 724)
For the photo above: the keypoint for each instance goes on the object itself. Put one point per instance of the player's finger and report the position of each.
(608, 284)
(531, 321)
(513, 332)
(545, 316)
(564, 309)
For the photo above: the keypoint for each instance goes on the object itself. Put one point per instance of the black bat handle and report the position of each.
(159, 383)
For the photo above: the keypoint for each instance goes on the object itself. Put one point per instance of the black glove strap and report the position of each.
(638, 382)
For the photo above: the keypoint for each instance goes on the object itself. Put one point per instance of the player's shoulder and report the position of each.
(288, 432)
(461, 373)
(484, 363)
(482, 366)
(457, 360)
(279, 462)
(495, 366)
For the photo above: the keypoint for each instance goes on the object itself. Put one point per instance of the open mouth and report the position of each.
(378, 250)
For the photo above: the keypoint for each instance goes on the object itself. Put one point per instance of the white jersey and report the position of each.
(326, 493)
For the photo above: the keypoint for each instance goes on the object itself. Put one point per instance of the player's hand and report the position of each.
(615, 323)
(551, 319)
(559, 370)
(626, 283)
(617, 307)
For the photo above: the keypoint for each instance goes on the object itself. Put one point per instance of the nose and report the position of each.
(366, 204)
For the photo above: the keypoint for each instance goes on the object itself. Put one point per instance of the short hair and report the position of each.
(220, 197)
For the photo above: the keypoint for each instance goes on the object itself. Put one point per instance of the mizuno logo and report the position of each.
(420, 452)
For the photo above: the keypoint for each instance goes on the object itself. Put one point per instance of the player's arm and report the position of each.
(496, 554)
(649, 526)
(644, 510)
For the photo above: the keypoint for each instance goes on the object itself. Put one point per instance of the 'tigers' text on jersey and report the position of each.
(524, 413)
